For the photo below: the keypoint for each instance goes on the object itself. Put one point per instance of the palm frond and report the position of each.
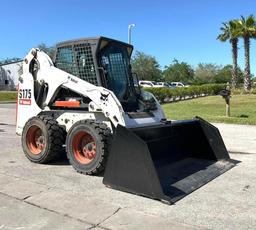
(225, 35)
(242, 19)
(250, 21)
(246, 26)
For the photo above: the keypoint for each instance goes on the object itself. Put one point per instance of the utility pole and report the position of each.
(130, 26)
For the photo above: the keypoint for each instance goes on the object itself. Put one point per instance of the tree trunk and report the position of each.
(247, 78)
(234, 57)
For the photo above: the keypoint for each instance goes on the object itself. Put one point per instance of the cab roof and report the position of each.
(90, 40)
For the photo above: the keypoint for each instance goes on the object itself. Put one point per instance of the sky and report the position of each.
(182, 29)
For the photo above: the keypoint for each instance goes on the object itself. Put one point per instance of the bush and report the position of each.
(166, 94)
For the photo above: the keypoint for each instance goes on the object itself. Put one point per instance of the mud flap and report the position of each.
(167, 161)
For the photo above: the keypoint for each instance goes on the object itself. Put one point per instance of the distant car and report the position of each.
(149, 84)
(163, 84)
(178, 84)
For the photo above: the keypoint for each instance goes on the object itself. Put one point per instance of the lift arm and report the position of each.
(55, 78)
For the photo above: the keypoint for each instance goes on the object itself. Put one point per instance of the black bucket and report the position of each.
(167, 161)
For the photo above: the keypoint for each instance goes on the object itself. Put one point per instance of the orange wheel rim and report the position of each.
(84, 147)
(35, 140)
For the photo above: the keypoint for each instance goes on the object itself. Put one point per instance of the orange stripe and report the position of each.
(67, 103)
(17, 98)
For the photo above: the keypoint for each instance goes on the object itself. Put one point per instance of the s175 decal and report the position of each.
(25, 96)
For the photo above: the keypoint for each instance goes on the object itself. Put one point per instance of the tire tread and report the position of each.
(105, 135)
(56, 139)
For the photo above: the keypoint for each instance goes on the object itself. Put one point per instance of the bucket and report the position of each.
(166, 161)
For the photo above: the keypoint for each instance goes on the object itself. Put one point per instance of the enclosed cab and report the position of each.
(102, 62)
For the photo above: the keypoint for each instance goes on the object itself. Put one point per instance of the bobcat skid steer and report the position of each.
(88, 100)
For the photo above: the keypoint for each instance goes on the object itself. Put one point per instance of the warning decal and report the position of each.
(25, 101)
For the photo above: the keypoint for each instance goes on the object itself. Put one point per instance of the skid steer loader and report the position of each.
(88, 100)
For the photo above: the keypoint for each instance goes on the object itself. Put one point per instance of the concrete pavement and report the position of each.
(239, 138)
(54, 196)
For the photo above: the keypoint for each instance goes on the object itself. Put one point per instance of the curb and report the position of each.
(7, 102)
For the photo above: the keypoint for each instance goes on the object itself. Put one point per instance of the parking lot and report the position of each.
(54, 196)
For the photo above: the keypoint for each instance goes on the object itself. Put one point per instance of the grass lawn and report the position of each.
(212, 108)
(8, 96)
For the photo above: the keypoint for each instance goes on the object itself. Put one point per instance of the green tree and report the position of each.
(247, 30)
(205, 73)
(178, 71)
(229, 33)
(49, 50)
(146, 67)
(225, 75)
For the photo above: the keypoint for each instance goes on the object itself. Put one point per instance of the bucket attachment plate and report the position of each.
(166, 161)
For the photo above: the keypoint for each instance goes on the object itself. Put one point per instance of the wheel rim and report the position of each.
(84, 147)
(35, 140)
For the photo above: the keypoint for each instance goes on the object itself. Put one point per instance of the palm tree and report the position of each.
(246, 30)
(229, 32)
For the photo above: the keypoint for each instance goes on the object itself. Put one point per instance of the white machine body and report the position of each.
(104, 105)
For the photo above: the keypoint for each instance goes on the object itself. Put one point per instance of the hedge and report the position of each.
(179, 93)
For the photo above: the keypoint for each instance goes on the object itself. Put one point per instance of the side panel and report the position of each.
(26, 104)
(68, 119)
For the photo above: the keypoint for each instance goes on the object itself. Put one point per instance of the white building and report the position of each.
(9, 75)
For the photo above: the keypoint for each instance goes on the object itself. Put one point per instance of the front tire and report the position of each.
(87, 146)
(42, 139)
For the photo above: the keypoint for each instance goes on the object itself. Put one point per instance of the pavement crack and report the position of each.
(59, 213)
(95, 226)
(49, 210)
(242, 153)
(114, 213)
(1, 123)
(26, 198)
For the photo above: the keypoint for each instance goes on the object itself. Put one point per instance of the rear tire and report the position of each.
(87, 146)
(42, 139)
